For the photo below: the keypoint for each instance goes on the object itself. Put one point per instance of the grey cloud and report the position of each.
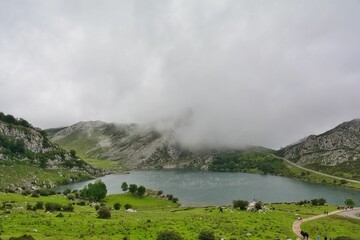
(252, 72)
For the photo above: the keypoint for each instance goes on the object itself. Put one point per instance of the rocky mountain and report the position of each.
(337, 150)
(22, 144)
(133, 145)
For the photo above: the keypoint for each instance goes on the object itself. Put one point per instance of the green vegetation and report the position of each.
(245, 161)
(14, 121)
(349, 169)
(94, 191)
(24, 174)
(153, 217)
(333, 226)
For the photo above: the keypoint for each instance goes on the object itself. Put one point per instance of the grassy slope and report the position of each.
(333, 226)
(82, 143)
(20, 173)
(153, 215)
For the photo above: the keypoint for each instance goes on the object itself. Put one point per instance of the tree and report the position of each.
(133, 188)
(349, 202)
(141, 191)
(124, 186)
(321, 201)
(169, 235)
(96, 191)
(206, 235)
(241, 204)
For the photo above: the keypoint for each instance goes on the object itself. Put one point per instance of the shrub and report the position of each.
(66, 191)
(175, 200)
(169, 235)
(104, 213)
(60, 215)
(258, 205)
(23, 237)
(117, 206)
(39, 205)
(51, 207)
(124, 186)
(128, 206)
(68, 208)
(206, 235)
(240, 204)
(71, 196)
(81, 203)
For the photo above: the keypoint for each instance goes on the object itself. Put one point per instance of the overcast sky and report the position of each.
(250, 72)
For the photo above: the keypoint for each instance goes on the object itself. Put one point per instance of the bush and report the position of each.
(81, 203)
(240, 204)
(117, 206)
(23, 237)
(206, 235)
(258, 205)
(51, 207)
(68, 208)
(318, 201)
(60, 215)
(104, 213)
(39, 205)
(128, 206)
(169, 235)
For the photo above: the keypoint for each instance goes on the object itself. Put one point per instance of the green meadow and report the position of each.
(154, 215)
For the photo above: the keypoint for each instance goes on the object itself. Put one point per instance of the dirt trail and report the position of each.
(348, 213)
(320, 173)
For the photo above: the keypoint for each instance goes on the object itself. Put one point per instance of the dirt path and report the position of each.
(320, 173)
(348, 213)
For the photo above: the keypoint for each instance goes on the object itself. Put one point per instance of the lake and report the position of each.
(201, 188)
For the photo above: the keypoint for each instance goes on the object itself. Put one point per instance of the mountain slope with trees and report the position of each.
(29, 160)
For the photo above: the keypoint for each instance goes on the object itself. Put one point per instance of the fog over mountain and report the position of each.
(239, 72)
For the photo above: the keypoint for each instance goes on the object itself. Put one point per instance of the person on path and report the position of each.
(319, 236)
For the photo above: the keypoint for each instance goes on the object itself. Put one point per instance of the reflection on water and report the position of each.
(200, 188)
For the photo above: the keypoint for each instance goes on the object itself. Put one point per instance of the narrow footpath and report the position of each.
(348, 213)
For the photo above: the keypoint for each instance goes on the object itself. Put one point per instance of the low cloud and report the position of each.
(252, 72)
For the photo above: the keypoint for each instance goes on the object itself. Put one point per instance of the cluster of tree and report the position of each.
(240, 204)
(314, 202)
(50, 207)
(15, 121)
(239, 161)
(134, 189)
(173, 235)
(12, 146)
(94, 191)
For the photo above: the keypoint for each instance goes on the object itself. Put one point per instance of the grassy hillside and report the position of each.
(29, 160)
(151, 217)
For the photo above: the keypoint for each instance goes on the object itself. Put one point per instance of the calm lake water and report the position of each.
(200, 188)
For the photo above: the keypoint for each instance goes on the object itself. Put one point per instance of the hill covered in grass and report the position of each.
(28, 159)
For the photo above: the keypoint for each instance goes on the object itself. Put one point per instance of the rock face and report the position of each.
(26, 145)
(32, 138)
(337, 146)
(134, 145)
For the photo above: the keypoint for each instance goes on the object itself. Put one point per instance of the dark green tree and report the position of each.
(240, 204)
(124, 186)
(133, 188)
(96, 191)
(141, 191)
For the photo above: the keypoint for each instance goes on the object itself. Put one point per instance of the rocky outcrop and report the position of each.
(339, 145)
(32, 138)
(133, 145)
